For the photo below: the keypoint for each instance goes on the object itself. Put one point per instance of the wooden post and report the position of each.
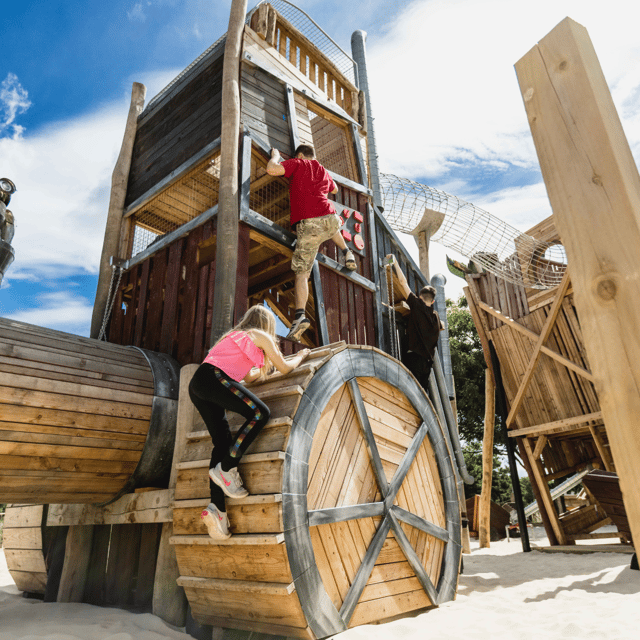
(119, 179)
(484, 533)
(169, 599)
(594, 190)
(227, 225)
(76, 563)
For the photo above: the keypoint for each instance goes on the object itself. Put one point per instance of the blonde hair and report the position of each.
(260, 318)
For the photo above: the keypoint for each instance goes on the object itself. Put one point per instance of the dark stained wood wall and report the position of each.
(165, 303)
(264, 108)
(349, 307)
(174, 132)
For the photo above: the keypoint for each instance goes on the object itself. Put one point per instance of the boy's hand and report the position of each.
(275, 154)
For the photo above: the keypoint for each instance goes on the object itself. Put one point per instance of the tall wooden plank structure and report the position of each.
(353, 515)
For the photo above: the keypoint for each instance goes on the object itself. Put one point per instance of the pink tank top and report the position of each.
(235, 354)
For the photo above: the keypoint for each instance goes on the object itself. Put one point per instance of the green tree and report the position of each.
(468, 365)
(501, 480)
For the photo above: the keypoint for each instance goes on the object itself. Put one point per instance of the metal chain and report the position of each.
(111, 297)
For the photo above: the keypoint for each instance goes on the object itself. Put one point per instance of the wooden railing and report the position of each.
(306, 57)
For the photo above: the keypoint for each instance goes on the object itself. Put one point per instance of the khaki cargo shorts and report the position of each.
(312, 232)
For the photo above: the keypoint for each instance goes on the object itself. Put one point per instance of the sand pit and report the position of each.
(503, 594)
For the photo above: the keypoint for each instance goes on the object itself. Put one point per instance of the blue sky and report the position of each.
(446, 101)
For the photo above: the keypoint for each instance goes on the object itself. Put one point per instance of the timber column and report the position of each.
(594, 189)
(227, 229)
(119, 179)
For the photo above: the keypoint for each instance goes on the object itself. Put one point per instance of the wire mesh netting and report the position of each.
(298, 19)
(490, 243)
(333, 146)
(179, 203)
(269, 196)
(315, 34)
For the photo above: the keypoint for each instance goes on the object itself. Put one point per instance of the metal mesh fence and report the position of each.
(179, 203)
(315, 34)
(489, 242)
(304, 24)
(269, 196)
(332, 145)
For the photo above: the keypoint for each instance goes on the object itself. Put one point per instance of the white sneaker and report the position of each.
(229, 481)
(298, 327)
(217, 522)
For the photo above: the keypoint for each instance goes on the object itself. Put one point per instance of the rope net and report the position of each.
(490, 243)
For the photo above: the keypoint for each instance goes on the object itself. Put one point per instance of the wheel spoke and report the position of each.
(372, 447)
(412, 558)
(405, 465)
(420, 523)
(347, 512)
(364, 571)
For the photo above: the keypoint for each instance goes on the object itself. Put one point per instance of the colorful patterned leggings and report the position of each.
(213, 393)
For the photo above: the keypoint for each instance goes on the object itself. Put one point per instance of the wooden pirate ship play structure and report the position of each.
(354, 513)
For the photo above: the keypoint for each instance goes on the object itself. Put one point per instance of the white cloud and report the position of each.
(14, 100)
(445, 90)
(136, 13)
(63, 179)
(59, 310)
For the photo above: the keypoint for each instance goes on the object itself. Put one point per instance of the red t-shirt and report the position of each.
(309, 184)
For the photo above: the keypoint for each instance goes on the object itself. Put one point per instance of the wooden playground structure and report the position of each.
(354, 512)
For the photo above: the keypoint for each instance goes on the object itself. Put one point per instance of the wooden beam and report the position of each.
(484, 522)
(76, 563)
(594, 188)
(585, 373)
(540, 445)
(535, 356)
(558, 426)
(224, 292)
(543, 486)
(119, 179)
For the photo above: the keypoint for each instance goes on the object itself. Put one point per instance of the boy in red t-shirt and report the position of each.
(312, 216)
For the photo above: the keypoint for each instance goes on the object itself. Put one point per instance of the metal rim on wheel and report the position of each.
(322, 615)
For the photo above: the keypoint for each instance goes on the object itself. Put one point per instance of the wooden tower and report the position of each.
(354, 514)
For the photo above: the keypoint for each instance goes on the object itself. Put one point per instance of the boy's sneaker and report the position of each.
(217, 522)
(229, 481)
(299, 326)
(350, 261)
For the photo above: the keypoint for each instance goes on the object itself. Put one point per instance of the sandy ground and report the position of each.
(503, 594)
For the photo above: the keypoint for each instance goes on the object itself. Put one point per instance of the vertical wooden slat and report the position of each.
(173, 281)
(141, 311)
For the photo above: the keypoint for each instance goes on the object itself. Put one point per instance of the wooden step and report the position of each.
(259, 539)
(284, 421)
(251, 515)
(270, 588)
(261, 474)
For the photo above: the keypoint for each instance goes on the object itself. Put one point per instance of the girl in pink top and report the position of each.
(245, 354)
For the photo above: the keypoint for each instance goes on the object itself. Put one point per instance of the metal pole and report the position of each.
(501, 402)
(358, 39)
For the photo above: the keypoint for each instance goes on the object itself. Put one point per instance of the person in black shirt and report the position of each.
(423, 328)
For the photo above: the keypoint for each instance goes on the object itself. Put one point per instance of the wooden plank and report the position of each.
(543, 487)
(558, 426)
(602, 186)
(30, 560)
(535, 355)
(23, 516)
(22, 538)
(253, 562)
(533, 336)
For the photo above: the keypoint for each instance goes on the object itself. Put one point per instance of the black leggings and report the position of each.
(212, 392)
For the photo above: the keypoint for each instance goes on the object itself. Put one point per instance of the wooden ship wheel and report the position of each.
(353, 515)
